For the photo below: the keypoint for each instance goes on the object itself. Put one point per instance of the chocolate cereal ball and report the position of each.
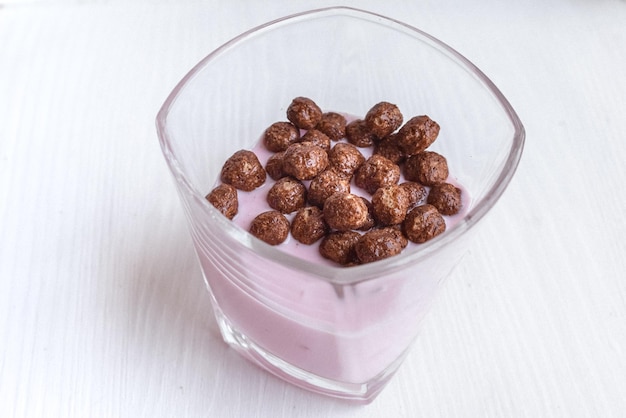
(287, 195)
(338, 246)
(415, 191)
(344, 211)
(427, 167)
(304, 113)
(271, 227)
(280, 135)
(304, 161)
(333, 125)
(377, 171)
(370, 222)
(315, 137)
(326, 184)
(417, 134)
(358, 134)
(396, 231)
(423, 223)
(243, 171)
(383, 119)
(274, 166)
(389, 148)
(345, 159)
(390, 204)
(224, 198)
(446, 198)
(379, 244)
(308, 225)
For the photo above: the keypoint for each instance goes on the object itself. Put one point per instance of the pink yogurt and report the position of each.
(351, 334)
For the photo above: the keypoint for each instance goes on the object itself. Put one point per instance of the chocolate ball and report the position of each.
(287, 195)
(338, 246)
(415, 191)
(271, 227)
(304, 161)
(423, 223)
(379, 244)
(224, 198)
(326, 184)
(390, 204)
(344, 211)
(389, 148)
(243, 171)
(358, 134)
(280, 135)
(333, 125)
(383, 118)
(345, 159)
(370, 222)
(446, 198)
(427, 167)
(308, 225)
(304, 113)
(377, 171)
(417, 134)
(274, 166)
(315, 137)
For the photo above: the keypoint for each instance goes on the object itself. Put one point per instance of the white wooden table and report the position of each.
(103, 311)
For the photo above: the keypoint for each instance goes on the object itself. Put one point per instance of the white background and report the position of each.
(103, 311)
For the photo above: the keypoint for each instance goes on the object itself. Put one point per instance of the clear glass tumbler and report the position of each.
(338, 331)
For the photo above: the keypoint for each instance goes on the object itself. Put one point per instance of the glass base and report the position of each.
(359, 393)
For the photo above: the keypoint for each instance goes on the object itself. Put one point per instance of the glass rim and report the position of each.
(354, 274)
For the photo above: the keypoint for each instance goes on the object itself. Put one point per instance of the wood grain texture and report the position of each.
(103, 311)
